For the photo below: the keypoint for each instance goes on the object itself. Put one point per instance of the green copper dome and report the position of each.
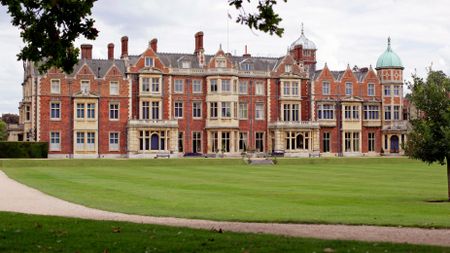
(389, 59)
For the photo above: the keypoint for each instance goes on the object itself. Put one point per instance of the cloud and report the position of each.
(345, 32)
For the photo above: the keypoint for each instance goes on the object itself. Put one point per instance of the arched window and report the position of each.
(155, 141)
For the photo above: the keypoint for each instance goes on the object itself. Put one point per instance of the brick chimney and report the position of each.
(86, 51)
(110, 51)
(154, 44)
(246, 54)
(198, 42)
(124, 47)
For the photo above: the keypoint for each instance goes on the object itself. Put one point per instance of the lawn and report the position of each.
(30, 233)
(379, 191)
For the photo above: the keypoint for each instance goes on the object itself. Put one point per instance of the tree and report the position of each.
(3, 131)
(429, 139)
(10, 118)
(49, 29)
(265, 19)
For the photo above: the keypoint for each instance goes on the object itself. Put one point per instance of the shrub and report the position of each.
(23, 149)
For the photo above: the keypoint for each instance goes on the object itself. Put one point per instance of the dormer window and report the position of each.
(186, 64)
(220, 63)
(149, 62)
(247, 66)
(288, 68)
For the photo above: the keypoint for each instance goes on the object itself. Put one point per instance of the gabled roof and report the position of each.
(99, 66)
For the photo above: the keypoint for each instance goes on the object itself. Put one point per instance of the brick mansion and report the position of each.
(179, 104)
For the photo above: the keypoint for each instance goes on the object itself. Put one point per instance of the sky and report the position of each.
(345, 32)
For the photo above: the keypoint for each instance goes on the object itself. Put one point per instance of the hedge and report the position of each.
(12, 149)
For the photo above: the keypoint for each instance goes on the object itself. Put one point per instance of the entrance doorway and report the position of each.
(394, 144)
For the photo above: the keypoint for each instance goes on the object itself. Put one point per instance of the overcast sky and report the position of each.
(345, 31)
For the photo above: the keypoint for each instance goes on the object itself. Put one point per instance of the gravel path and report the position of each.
(16, 197)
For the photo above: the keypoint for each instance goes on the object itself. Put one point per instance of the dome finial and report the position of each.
(389, 43)
(302, 29)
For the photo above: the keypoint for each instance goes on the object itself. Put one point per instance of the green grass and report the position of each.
(379, 191)
(30, 233)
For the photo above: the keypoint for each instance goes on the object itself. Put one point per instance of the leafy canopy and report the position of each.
(265, 19)
(429, 139)
(3, 131)
(49, 29)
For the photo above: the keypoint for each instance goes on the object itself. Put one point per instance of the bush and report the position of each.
(23, 149)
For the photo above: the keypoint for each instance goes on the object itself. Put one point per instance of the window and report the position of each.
(145, 110)
(259, 88)
(291, 112)
(243, 139)
(55, 110)
(371, 142)
(80, 140)
(114, 111)
(114, 141)
(387, 90)
(351, 141)
(55, 141)
(27, 113)
(325, 111)
(286, 88)
(226, 109)
(90, 108)
(247, 66)
(220, 63)
(297, 140)
(186, 64)
(215, 141)
(259, 142)
(243, 87)
(178, 87)
(85, 86)
(225, 141)
(243, 110)
(145, 84)
(387, 113)
(213, 85)
(295, 112)
(197, 86)
(226, 86)
(197, 109)
(148, 62)
(351, 112)
(371, 89)
(196, 142)
(155, 110)
(113, 88)
(325, 88)
(396, 112)
(288, 68)
(155, 84)
(326, 142)
(178, 107)
(55, 86)
(180, 142)
(213, 110)
(152, 140)
(294, 88)
(348, 89)
(371, 112)
(80, 111)
(259, 111)
(396, 90)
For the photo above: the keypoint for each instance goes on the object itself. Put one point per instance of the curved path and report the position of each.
(16, 197)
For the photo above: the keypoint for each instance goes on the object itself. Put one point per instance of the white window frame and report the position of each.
(243, 110)
(149, 61)
(287, 68)
(116, 110)
(197, 106)
(197, 86)
(243, 87)
(57, 109)
(225, 110)
(349, 89)
(178, 86)
(259, 89)
(85, 86)
(112, 145)
(178, 109)
(114, 88)
(226, 85)
(55, 136)
(325, 88)
(259, 111)
(55, 86)
(371, 89)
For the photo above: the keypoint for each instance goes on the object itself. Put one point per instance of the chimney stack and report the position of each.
(246, 54)
(124, 47)
(86, 51)
(154, 44)
(110, 51)
(198, 42)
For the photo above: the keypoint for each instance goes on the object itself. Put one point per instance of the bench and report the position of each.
(163, 155)
(314, 155)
